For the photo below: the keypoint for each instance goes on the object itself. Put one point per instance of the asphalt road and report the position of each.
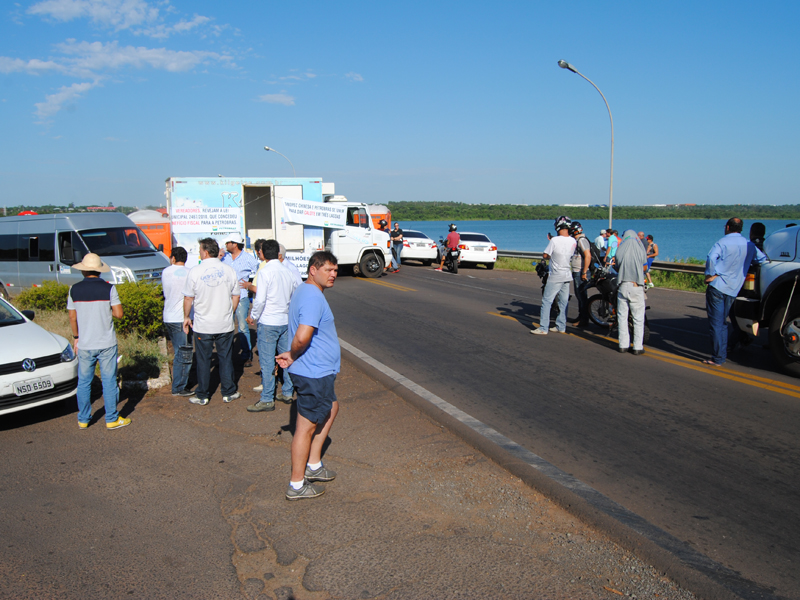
(710, 456)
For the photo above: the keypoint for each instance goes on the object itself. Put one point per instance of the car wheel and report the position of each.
(426, 263)
(371, 265)
(490, 266)
(4, 291)
(783, 341)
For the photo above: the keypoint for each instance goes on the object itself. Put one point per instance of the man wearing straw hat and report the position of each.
(91, 304)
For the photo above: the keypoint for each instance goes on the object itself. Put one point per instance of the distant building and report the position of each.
(576, 205)
(101, 208)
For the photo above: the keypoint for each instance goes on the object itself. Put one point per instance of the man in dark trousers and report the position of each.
(397, 246)
(91, 304)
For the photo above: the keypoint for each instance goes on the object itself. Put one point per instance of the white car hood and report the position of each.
(28, 340)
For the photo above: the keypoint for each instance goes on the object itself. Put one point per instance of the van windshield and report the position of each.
(116, 241)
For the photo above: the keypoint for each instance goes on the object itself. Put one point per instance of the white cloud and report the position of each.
(118, 14)
(354, 76)
(281, 98)
(162, 31)
(33, 66)
(54, 102)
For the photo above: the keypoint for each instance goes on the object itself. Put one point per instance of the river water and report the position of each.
(676, 239)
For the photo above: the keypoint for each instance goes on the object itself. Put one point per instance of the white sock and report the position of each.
(314, 467)
(296, 485)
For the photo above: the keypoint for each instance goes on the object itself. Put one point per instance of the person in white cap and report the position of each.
(601, 243)
(91, 303)
(245, 265)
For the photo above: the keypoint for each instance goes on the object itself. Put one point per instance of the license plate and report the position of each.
(31, 386)
(481, 248)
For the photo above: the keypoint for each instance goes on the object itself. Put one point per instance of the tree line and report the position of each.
(443, 211)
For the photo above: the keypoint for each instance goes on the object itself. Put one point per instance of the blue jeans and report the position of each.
(580, 293)
(204, 344)
(242, 311)
(718, 305)
(396, 249)
(272, 340)
(87, 359)
(182, 363)
(551, 290)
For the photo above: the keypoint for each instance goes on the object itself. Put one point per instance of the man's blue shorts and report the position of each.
(315, 397)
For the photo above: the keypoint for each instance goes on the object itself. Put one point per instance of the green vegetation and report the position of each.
(514, 264)
(142, 309)
(48, 209)
(50, 296)
(444, 211)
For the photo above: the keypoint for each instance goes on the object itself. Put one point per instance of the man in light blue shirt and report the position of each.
(313, 361)
(726, 268)
(245, 265)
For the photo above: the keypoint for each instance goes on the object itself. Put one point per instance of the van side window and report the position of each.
(37, 247)
(68, 244)
(8, 247)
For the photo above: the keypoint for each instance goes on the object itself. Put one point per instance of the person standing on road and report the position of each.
(245, 265)
(91, 303)
(397, 246)
(451, 241)
(173, 280)
(313, 360)
(652, 253)
(613, 244)
(270, 314)
(631, 260)
(726, 268)
(559, 251)
(601, 243)
(580, 263)
(212, 289)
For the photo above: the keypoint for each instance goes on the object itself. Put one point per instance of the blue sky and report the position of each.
(102, 100)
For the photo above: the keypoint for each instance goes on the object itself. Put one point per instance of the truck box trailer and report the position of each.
(302, 213)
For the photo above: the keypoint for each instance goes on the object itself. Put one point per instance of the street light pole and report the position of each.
(565, 65)
(268, 149)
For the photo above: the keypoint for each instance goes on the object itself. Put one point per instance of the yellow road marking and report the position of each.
(681, 361)
(394, 286)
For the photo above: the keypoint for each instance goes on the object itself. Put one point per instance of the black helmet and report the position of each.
(382, 223)
(575, 227)
(562, 222)
(453, 227)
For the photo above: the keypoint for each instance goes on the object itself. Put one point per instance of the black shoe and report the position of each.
(184, 393)
(637, 352)
(622, 350)
(248, 363)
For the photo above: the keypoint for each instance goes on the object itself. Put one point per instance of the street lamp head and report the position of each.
(267, 148)
(565, 65)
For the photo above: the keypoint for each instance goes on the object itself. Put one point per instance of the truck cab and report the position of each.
(770, 299)
(360, 243)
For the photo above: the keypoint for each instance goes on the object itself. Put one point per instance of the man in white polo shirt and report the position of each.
(213, 290)
(559, 251)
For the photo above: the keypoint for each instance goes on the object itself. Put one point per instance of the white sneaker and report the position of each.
(259, 388)
(232, 397)
(540, 331)
(200, 401)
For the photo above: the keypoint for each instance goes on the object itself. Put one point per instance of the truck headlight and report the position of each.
(121, 275)
(68, 355)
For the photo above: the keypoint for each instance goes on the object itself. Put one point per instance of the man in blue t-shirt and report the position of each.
(313, 362)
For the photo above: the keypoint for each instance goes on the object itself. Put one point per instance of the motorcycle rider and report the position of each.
(580, 263)
(559, 251)
(452, 241)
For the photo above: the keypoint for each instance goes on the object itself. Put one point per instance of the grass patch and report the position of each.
(514, 264)
(141, 357)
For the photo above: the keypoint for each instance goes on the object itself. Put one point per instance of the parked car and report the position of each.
(36, 367)
(418, 246)
(476, 248)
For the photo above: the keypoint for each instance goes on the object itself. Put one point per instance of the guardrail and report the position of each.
(658, 265)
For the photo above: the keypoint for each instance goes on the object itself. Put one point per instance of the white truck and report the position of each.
(770, 298)
(303, 214)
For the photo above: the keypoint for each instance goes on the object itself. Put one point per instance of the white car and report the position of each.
(418, 246)
(36, 367)
(478, 249)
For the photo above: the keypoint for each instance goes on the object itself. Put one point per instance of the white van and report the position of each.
(37, 248)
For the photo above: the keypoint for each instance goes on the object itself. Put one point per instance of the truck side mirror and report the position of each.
(161, 247)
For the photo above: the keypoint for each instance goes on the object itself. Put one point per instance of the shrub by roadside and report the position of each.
(142, 308)
(51, 295)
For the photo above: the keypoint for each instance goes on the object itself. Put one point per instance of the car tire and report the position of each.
(426, 263)
(371, 265)
(490, 266)
(4, 292)
(788, 363)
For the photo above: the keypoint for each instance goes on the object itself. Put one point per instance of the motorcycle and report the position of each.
(451, 256)
(602, 307)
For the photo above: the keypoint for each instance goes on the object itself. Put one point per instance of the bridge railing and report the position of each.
(657, 265)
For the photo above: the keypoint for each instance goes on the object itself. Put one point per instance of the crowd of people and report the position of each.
(213, 305)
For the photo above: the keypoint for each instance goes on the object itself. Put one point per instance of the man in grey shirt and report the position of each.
(631, 259)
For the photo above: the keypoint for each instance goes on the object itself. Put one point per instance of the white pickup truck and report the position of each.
(359, 244)
(770, 299)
